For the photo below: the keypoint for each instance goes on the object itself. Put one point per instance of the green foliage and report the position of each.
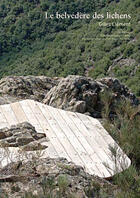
(24, 21)
(128, 181)
(29, 195)
(34, 45)
(129, 50)
(47, 186)
(62, 183)
(125, 130)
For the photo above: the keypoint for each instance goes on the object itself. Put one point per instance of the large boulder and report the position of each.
(74, 93)
(82, 94)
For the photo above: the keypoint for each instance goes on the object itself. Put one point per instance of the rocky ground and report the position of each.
(74, 93)
(51, 178)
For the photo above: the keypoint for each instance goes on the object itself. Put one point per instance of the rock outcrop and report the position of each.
(22, 135)
(13, 88)
(82, 94)
(73, 93)
(55, 177)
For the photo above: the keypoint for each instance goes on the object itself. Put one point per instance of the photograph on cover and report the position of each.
(70, 98)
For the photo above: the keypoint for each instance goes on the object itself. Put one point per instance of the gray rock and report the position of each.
(74, 93)
(33, 146)
(11, 139)
(24, 140)
(25, 125)
(5, 129)
(13, 88)
(36, 173)
(4, 143)
(38, 136)
(11, 178)
(2, 135)
(80, 106)
(82, 94)
(20, 135)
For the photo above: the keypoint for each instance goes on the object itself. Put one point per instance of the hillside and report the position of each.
(33, 45)
(90, 66)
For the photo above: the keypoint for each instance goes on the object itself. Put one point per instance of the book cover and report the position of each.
(82, 57)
